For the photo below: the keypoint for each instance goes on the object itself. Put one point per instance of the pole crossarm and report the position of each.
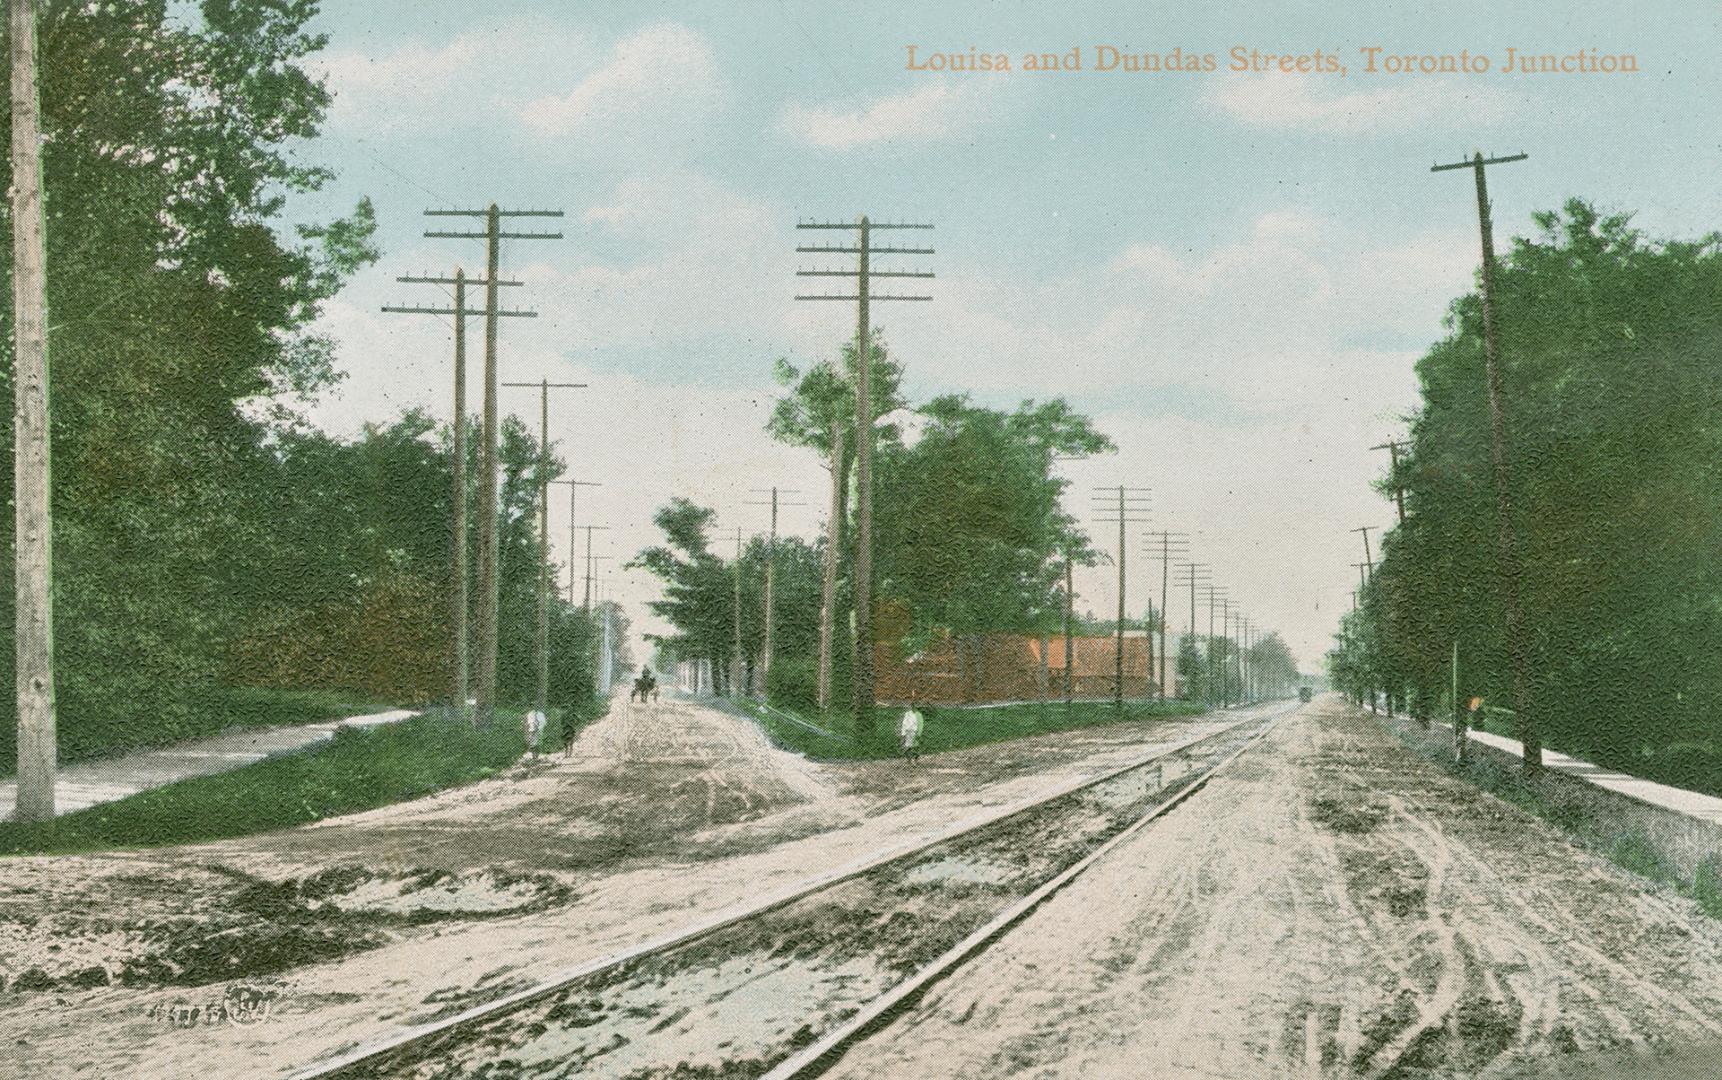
(870, 273)
(1472, 162)
(438, 279)
(486, 213)
(837, 249)
(870, 225)
(515, 313)
(853, 297)
(437, 235)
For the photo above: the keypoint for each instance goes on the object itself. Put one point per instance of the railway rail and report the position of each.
(798, 978)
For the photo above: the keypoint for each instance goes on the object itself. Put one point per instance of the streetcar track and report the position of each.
(353, 1062)
(818, 1058)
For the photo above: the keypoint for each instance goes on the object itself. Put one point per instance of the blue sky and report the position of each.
(1233, 272)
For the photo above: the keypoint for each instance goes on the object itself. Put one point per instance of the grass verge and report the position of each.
(358, 769)
(201, 712)
(945, 729)
(1590, 817)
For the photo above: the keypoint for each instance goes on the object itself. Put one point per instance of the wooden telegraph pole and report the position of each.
(828, 567)
(1195, 574)
(1214, 594)
(1132, 502)
(38, 754)
(1170, 544)
(770, 560)
(735, 666)
(1518, 648)
(863, 297)
(459, 603)
(1069, 650)
(1392, 448)
(1368, 560)
(544, 386)
(488, 579)
(574, 487)
(591, 560)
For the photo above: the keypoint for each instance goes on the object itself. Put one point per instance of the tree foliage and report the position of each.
(1611, 357)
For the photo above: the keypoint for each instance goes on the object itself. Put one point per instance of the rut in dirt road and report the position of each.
(1333, 905)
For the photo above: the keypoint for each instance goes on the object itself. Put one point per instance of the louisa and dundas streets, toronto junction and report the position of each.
(1371, 60)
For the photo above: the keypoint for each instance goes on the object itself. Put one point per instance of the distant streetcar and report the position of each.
(1304, 693)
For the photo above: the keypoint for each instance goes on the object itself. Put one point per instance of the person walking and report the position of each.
(535, 721)
(909, 731)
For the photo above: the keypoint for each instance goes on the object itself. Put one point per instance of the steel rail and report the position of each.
(819, 1057)
(723, 919)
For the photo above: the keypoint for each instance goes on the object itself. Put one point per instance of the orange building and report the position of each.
(986, 669)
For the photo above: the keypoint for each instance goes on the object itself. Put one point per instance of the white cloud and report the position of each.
(931, 111)
(663, 67)
(1244, 380)
(1294, 102)
(421, 85)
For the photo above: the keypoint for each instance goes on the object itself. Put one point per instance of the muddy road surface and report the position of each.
(256, 956)
(1333, 906)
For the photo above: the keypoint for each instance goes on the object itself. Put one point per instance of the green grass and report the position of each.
(356, 770)
(945, 729)
(116, 728)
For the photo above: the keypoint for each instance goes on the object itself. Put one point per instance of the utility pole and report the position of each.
(735, 668)
(770, 559)
(38, 747)
(828, 567)
(1368, 560)
(1170, 544)
(1363, 571)
(488, 579)
(1069, 646)
(1392, 448)
(586, 596)
(1215, 593)
(1518, 648)
(459, 603)
(544, 386)
(574, 487)
(1196, 574)
(863, 297)
(1131, 507)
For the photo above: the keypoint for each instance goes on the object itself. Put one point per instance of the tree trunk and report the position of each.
(833, 545)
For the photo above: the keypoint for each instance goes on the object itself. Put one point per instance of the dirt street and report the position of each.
(1333, 905)
(352, 928)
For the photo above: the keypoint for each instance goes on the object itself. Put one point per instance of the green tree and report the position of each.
(971, 536)
(1611, 346)
(178, 307)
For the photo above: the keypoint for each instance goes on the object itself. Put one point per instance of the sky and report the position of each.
(1233, 272)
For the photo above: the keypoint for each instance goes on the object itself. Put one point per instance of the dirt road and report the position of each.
(358, 926)
(1333, 905)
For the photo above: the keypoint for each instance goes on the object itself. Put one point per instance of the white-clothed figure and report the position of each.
(535, 723)
(909, 731)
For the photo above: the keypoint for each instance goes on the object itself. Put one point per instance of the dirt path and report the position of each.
(78, 787)
(1333, 906)
(357, 926)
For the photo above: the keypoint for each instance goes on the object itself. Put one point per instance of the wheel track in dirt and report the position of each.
(398, 1050)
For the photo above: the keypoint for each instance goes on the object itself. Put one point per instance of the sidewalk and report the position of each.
(80, 786)
(1689, 803)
